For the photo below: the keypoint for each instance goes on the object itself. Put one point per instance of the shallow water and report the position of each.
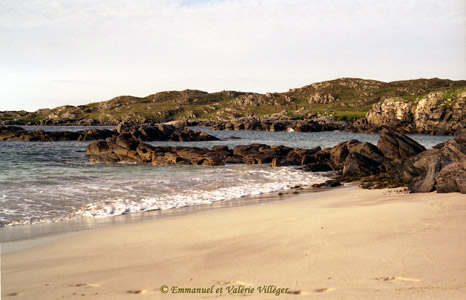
(45, 182)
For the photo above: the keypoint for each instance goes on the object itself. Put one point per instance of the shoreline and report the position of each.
(24, 236)
(357, 244)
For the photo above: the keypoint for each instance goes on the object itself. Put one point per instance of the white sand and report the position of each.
(342, 244)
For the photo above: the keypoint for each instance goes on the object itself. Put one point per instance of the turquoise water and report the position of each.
(46, 182)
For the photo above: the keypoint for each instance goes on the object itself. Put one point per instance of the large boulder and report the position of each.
(427, 183)
(358, 165)
(338, 154)
(394, 145)
(451, 178)
(442, 169)
(260, 153)
(301, 157)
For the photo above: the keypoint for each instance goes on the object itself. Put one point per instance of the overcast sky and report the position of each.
(57, 52)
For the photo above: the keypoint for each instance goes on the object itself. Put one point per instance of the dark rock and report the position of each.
(232, 138)
(317, 167)
(358, 165)
(337, 155)
(394, 145)
(97, 148)
(328, 184)
(442, 169)
(453, 151)
(340, 152)
(439, 145)
(222, 151)
(366, 149)
(126, 143)
(271, 123)
(95, 134)
(161, 132)
(299, 156)
(332, 183)
(243, 150)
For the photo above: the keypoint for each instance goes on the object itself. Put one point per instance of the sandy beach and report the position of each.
(341, 244)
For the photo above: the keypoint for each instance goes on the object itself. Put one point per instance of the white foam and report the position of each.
(265, 181)
(139, 188)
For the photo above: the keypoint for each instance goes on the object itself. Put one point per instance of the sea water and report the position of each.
(43, 182)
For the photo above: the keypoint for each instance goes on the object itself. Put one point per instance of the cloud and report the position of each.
(142, 46)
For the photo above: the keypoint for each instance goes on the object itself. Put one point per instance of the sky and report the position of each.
(59, 52)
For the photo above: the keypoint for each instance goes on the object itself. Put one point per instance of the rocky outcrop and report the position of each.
(173, 131)
(123, 148)
(319, 98)
(120, 149)
(315, 124)
(336, 158)
(39, 135)
(159, 132)
(442, 169)
(437, 113)
(393, 112)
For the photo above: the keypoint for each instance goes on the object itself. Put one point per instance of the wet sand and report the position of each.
(341, 244)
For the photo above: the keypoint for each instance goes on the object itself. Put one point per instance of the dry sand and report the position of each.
(341, 244)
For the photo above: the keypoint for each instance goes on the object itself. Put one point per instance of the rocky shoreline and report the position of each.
(435, 114)
(397, 159)
(159, 132)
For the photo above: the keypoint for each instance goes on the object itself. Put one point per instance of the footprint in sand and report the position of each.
(14, 294)
(226, 282)
(139, 292)
(321, 290)
(390, 278)
(297, 292)
(84, 284)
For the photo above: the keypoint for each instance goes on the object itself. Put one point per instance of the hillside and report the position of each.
(344, 98)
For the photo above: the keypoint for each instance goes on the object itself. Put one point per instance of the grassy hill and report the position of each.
(345, 98)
